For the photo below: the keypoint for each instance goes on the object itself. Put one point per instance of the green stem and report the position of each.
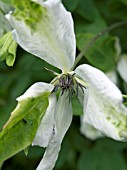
(2, 11)
(93, 40)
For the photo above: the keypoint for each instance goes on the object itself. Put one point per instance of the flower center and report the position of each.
(67, 83)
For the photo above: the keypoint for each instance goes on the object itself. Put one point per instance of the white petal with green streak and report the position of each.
(53, 37)
(104, 109)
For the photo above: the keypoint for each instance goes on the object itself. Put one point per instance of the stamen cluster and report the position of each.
(67, 83)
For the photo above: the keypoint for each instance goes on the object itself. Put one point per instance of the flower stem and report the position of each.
(93, 40)
(2, 11)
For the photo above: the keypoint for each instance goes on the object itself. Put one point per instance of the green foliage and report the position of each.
(98, 158)
(124, 1)
(71, 6)
(84, 9)
(20, 130)
(115, 7)
(102, 53)
(8, 49)
(87, 18)
(76, 105)
(7, 1)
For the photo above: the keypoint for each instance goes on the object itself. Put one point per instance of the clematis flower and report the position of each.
(45, 29)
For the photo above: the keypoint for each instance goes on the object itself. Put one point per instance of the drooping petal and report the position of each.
(35, 90)
(86, 129)
(45, 129)
(63, 118)
(122, 67)
(104, 109)
(89, 131)
(51, 154)
(46, 31)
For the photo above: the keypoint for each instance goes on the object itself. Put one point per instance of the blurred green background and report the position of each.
(77, 153)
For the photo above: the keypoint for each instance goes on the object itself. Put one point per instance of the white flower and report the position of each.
(54, 124)
(50, 36)
(104, 109)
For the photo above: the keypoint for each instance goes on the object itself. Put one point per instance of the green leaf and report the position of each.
(86, 9)
(110, 145)
(20, 130)
(124, 1)
(7, 1)
(118, 9)
(102, 54)
(71, 6)
(99, 159)
(113, 10)
(76, 106)
(65, 158)
(88, 18)
(8, 49)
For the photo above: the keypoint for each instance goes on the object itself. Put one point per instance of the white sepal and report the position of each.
(86, 129)
(51, 154)
(36, 90)
(45, 129)
(63, 118)
(104, 109)
(52, 39)
(89, 131)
